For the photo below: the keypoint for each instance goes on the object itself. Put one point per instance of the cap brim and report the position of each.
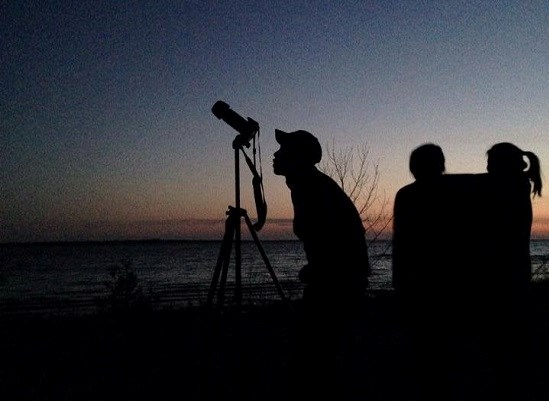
(280, 136)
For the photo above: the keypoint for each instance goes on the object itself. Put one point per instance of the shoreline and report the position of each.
(182, 297)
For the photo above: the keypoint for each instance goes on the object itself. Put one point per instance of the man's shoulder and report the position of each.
(321, 182)
(321, 176)
(407, 190)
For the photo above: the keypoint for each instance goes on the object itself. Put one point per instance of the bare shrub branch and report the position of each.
(358, 175)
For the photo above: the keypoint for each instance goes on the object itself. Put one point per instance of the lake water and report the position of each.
(70, 278)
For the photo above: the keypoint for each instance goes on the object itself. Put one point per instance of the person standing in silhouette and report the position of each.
(415, 220)
(433, 250)
(510, 183)
(419, 262)
(336, 274)
(513, 177)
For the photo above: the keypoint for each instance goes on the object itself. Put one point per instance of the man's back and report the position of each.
(330, 227)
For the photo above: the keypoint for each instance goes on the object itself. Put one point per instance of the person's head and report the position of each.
(507, 159)
(299, 151)
(427, 161)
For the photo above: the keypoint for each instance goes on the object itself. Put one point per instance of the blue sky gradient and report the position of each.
(105, 123)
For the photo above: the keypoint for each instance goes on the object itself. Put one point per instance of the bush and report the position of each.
(124, 291)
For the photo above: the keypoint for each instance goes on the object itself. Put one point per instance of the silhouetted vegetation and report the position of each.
(354, 169)
(124, 291)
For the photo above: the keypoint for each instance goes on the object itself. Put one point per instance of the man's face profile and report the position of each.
(283, 160)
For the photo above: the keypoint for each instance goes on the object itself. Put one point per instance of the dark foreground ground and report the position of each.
(189, 354)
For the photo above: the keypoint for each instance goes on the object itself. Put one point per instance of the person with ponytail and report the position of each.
(506, 159)
(511, 183)
(513, 179)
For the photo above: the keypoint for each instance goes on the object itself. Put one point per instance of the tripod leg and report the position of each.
(221, 291)
(265, 259)
(222, 259)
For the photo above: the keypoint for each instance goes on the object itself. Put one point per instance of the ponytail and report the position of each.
(534, 173)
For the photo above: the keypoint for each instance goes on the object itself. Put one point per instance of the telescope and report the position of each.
(246, 128)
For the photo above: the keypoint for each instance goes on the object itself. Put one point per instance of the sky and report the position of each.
(106, 129)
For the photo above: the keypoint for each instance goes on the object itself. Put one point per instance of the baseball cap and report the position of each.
(302, 142)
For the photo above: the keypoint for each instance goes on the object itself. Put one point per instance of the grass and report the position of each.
(193, 354)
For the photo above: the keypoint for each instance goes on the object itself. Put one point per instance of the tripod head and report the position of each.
(248, 130)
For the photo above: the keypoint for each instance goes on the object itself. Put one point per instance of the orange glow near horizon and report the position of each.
(540, 228)
(187, 229)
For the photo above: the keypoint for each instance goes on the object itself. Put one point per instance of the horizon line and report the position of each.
(167, 240)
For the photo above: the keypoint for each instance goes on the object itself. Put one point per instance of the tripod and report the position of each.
(233, 237)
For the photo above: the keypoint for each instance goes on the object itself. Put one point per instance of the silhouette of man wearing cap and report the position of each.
(336, 274)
